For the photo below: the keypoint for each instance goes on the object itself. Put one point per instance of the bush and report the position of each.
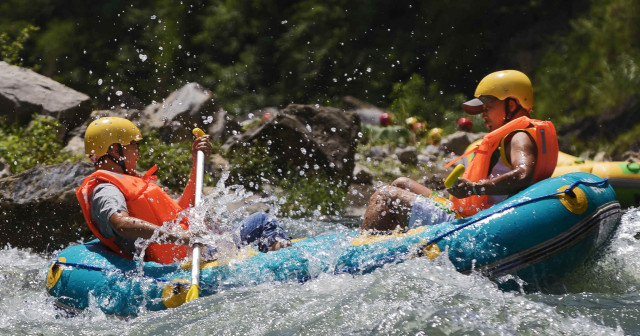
(301, 194)
(174, 161)
(10, 48)
(39, 144)
(315, 195)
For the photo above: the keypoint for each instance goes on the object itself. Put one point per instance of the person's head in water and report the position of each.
(501, 97)
(112, 143)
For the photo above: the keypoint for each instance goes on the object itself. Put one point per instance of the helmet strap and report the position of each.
(508, 114)
(118, 160)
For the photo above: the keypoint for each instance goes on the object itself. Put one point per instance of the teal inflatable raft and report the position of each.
(538, 235)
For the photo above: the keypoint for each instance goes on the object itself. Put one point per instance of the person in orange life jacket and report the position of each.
(120, 206)
(517, 152)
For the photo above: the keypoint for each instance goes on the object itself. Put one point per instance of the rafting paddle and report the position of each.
(453, 177)
(194, 289)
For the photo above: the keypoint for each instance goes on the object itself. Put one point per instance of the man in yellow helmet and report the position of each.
(121, 206)
(517, 152)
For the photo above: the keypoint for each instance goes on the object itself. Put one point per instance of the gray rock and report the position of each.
(459, 141)
(39, 207)
(408, 155)
(377, 152)
(190, 106)
(362, 175)
(24, 92)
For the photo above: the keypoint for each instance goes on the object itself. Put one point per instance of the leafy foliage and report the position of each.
(303, 193)
(39, 144)
(254, 54)
(10, 49)
(430, 104)
(316, 194)
(594, 66)
(174, 161)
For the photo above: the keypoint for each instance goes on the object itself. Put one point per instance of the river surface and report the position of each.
(419, 296)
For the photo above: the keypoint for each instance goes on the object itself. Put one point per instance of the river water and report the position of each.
(419, 296)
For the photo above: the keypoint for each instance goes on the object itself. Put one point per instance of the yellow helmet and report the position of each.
(501, 85)
(104, 132)
(435, 135)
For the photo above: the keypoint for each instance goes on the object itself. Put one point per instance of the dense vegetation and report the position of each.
(416, 58)
(581, 56)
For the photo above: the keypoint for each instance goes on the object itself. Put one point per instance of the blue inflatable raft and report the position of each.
(538, 235)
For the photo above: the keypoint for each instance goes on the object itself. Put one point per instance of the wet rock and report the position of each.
(377, 152)
(301, 137)
(362, 175)
(190, 106)
(459, 141)
(39, 207)
(369, 114)
(408, 155)
(24, 92)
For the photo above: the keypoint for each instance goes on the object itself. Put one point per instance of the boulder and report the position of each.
(303, 137)
(459, 141)
(408, 155)
(362, 175)
(39, 207)
(369, 114)
(24, 92)
(190, 106)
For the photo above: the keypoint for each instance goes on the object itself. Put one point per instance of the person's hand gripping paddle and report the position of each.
(194, 289)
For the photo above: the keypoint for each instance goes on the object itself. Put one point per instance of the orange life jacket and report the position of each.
(544, 135)
(146, 201)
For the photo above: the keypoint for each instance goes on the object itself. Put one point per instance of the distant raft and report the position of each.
(539, 235)
(623, 176)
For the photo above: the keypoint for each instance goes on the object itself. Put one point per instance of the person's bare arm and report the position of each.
(133, 228)
(188, 197)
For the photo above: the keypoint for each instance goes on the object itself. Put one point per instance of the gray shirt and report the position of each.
(106, 200)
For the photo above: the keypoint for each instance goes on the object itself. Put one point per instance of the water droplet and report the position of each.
(100, 81)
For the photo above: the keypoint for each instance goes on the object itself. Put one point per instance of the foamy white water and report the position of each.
(419, 296)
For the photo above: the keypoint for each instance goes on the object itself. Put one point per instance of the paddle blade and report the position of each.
(455, 174)
(193, 293)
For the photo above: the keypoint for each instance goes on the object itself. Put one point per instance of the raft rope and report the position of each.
(374, 264)
(390, 259)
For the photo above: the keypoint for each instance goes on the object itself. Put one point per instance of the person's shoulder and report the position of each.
(106, 189)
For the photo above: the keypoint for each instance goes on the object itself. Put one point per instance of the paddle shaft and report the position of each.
(195, 260)
(194, 290)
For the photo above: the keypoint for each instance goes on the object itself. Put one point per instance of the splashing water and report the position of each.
(419, 296)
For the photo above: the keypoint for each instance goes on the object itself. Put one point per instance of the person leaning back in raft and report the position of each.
(121, 206)
(517, 152)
